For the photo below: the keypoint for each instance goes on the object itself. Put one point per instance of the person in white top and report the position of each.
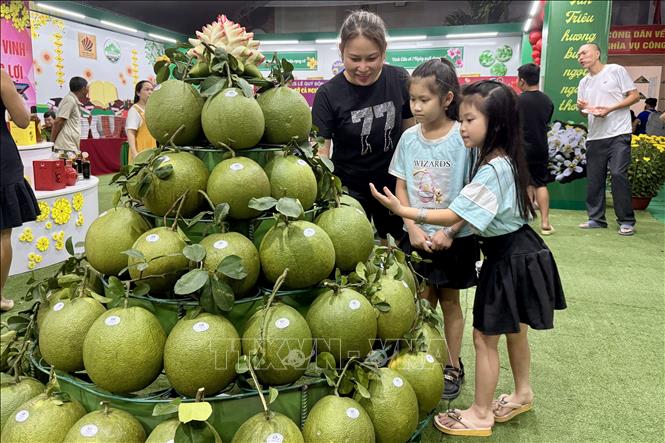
(605, 95)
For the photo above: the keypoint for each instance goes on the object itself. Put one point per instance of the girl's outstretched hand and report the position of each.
(388, 200)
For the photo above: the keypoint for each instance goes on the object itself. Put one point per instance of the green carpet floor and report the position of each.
(657, 206)
(599, 376)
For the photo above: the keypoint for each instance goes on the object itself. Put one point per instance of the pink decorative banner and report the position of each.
(307, 88)
(16, 48)
(507, 79)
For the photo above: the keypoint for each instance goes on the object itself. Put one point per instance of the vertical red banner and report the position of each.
(16, 47)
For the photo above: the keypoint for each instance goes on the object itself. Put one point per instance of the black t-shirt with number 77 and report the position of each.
(364, 123)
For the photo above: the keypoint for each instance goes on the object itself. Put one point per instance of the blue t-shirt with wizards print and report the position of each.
(435, 171)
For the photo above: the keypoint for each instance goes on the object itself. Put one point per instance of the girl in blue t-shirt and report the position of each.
(519, 285)
(432, 166)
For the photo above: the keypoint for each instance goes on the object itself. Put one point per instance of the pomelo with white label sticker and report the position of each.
(89, 430)
(398, 382)
(152, 238)
(354, 304)
(230, 93)
(302, 162)
(352, 413)
(58, 306)
(275, 437)
(237, 167)
(430, 359)
(309, 232)
(22, 416)
(405, 285)
(201, 326)
(220, 244)
(113, 320)
(282, 323)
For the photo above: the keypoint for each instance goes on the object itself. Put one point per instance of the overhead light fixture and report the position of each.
(527, 25)
(60, 10)
(406, 38)
(116, 25)
(280, 42)
(473, 35)
(162, 38)
(534, 8)
(327, 40)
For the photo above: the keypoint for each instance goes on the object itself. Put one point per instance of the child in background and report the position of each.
(519, 285)
(432, 166)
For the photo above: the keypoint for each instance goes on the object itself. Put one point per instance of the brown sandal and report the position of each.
(515, 408)
(467, 429)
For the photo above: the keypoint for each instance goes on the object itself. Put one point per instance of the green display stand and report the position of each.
(568, 196)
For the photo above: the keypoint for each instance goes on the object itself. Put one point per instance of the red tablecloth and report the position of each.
(104, 154)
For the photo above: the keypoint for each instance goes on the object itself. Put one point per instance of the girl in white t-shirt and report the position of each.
(138, 136)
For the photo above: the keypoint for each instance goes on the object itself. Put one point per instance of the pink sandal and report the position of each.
(515, 408)
(467, 428)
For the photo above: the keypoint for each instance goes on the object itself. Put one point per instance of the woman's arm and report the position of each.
(444, 217)
(131, 141)
(13, 101)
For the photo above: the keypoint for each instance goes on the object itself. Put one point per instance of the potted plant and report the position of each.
(647, 168)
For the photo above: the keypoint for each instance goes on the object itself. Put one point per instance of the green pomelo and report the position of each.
(63, 331)
(392, 407)
(143, 156)
(41, 420)
(174, 103)
(201, 353)
(164, 432)
(113, 232)
(232, 119)
(342, 323)
(351, 234)
(189, 175)
(339, 420)
(286, 114)
(220, 246)
(288, 344)
(236, 181)
(436, 344)
(291, 176)
(13, 395)
(159, 242)
(278, 428)
(347, 200)
(399, 319)
(108, 425)
(302, 247)
(52, 297)
(123, 349)
(425, 375)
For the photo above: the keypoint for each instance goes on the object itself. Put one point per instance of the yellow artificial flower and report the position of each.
(43, 243)
(59, 244)
(26, 236)
(77, 201)
(44, 211)
(62, 211)
(48, 225)
(646, 159)
(31, 265)
(79, 219)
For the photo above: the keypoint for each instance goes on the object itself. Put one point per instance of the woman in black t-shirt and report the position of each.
(364, 110)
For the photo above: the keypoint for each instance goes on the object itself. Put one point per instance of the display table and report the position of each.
(30, 153)
(65, 213)
(104, 154)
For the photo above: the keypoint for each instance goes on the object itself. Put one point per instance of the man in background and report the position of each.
(649, 108)
(66, 132)
(605, 95)
(536, 111)
(47, 127)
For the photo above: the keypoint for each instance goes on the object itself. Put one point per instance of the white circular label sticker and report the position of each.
(275, 438)
(112, 320)
(282, 323)
(89, 430)
(354, 304)
(171, 441)
(429, 358)
(200, 326)
(352, 413)
(220, 244)
(237, 166)
(103, 214)
(309, 232)
(230, 93)
(152, 238)
(302, 162)
(58, 306)
(398, 382)
(405, 285)
(22, 416)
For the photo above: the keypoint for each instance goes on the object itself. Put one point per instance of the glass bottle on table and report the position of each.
(85, 165)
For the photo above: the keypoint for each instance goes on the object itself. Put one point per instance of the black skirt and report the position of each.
(519, 283)
(453, 268)
(18, 205)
